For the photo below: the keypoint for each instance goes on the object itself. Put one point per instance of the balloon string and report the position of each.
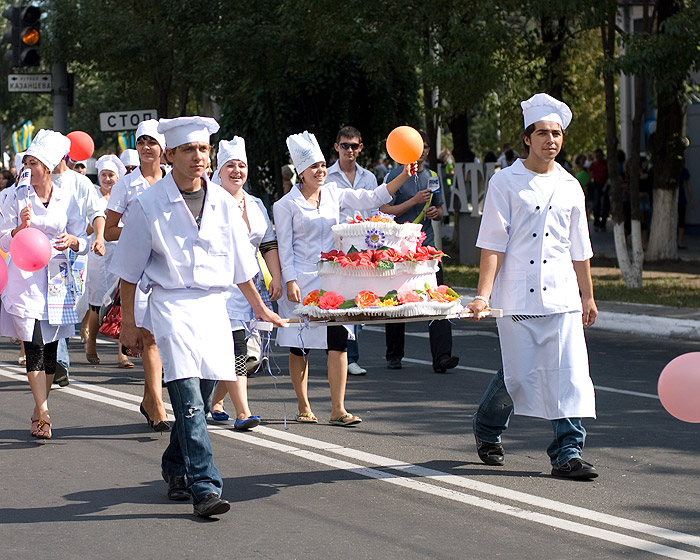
(265, 356)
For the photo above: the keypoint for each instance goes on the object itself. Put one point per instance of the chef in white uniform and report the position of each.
(149, 146)
(303, 221)
(39, 307)
(535, 259)
(186, 241)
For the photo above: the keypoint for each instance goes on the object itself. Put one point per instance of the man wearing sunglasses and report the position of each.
(347, 173)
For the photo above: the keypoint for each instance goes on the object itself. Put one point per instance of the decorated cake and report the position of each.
(379, 268)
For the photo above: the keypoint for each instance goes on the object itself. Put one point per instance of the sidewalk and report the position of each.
(646, 320)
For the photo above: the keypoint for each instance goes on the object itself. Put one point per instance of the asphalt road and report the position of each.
(405, 484)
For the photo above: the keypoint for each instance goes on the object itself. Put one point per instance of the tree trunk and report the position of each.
(459, 127)
(555, 67)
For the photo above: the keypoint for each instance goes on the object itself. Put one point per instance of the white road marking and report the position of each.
(98, 394)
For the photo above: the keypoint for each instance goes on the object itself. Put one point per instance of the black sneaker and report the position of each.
(490, 453)
(576, 469)
(210, 505)
(394, 363)
(446, 364)
(177, 487)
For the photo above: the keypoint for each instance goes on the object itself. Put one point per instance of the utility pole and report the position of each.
(61, 91)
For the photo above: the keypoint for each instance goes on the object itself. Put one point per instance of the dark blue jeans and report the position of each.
(189, 452)
(493, 415)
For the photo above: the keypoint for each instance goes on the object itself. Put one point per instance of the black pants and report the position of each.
(440, 337)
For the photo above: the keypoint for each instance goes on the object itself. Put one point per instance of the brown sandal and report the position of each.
(33, 431)
(93, 358)
(41, 433)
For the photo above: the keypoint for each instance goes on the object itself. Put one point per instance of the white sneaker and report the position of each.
(355, 369)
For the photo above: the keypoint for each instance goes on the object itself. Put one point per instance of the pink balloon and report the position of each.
(30, 249)
(3, 274)
(679, 387)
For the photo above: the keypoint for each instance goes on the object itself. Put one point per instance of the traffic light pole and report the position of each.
(60, 97)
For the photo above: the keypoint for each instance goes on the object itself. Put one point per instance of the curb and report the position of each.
(634, 323)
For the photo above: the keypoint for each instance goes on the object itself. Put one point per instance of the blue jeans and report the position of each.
(189, 452)
(493, 415)
(62, 356)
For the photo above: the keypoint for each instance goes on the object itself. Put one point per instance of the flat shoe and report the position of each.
(446, 364)
(41, 433)
(490, 453)
(219, 416)
(306, 418)
(210, 505)
(346, 419)
(125, 364)
(246, 424)
(177, 487)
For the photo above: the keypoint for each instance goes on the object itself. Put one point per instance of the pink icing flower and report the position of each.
(409, 296)
(330, 300)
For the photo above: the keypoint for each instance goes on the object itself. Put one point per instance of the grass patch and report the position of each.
(667, 288)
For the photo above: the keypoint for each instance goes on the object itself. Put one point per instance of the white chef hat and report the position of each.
(130, 157)
(183, 130)
(304, 150)
(543, 107)
(49, 147)
(150, 128)
(228, 150)
(110, 162)
(18, 162)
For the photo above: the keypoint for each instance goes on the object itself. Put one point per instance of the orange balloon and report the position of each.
(404, 144)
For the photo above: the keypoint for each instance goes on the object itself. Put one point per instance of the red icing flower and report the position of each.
(330, 300)
(311, 298)
(366, 299)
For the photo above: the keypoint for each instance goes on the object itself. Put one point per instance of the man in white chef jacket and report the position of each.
(535, 259)
(185, 240)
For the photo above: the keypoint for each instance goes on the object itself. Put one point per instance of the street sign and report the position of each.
(125, 120)
(35, 83)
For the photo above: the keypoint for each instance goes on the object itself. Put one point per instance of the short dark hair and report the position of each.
(424, 135)
(348, 132)
(526, 134)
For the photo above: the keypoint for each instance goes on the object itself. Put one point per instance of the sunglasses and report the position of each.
(349, 146)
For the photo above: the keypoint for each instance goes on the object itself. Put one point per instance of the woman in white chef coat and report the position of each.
(303, 220)
(26, 314)
(149, 145)
(535, 259)
(99, 279)
(232, 173)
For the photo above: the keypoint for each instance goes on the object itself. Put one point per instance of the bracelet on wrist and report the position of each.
(484, 299)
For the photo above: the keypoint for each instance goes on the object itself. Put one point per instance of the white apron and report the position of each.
(308, 280)
(192, 332)
(545, 366)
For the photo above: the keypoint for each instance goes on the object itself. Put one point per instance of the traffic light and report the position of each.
(23, 35)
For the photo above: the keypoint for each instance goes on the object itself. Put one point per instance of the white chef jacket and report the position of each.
(539, 222)
(363, 180)
(303, 233)
(83, 190)
(261, 231)
(190, 271)
(24, 297)
(125, 191)
(99, 279)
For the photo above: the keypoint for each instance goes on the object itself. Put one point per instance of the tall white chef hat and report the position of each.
(150, 128)
(49, 147)
(183, 130)
(110, 162)
(543, 107)
(18, 162)
(130, 158)
(228, 150)
(304, 150)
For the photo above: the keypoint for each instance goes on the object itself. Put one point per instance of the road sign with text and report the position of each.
(125, 120)
(35, 83)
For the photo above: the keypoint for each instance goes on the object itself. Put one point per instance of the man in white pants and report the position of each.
(185, 240)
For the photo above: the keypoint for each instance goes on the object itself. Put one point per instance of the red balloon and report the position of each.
(30, 249)
(679, 387)
(3, 274)
(404, 144)
(81, 145)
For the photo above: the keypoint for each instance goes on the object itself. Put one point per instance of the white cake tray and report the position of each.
(464, 314)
